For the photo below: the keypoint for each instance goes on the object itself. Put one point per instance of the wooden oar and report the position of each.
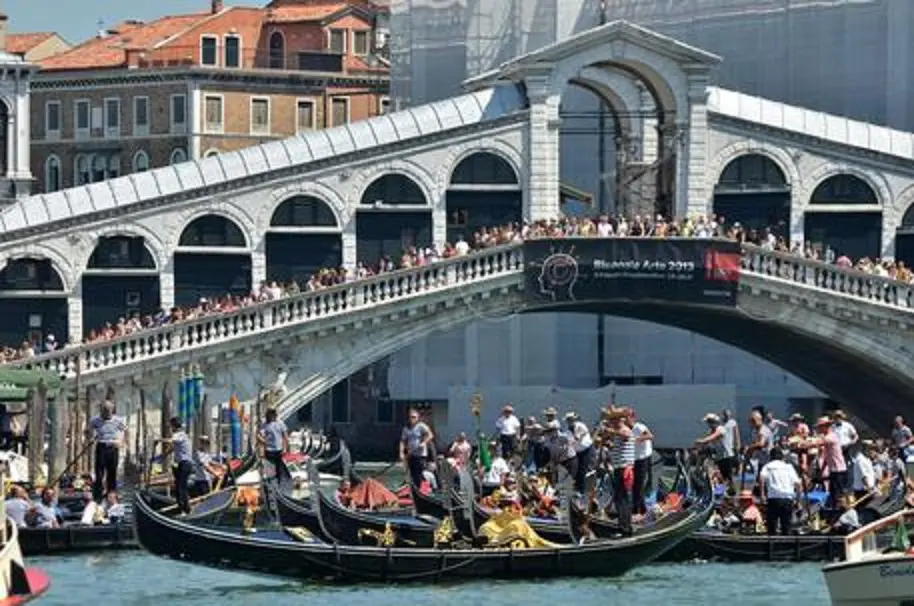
(73, 462)
(193, 501)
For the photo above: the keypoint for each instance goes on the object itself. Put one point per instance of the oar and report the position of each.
(193, 501)
(73, 462)
(742, 471)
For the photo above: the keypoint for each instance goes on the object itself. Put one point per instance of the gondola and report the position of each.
(76, 538)
(18, 584)
(284, 555)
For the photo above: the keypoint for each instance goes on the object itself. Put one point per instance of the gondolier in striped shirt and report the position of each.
(108, 431)
(622, 454)
(274, 436)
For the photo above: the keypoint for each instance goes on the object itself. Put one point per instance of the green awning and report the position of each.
(28, 378)
(8, 393)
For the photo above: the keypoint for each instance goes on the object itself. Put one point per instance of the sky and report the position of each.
(77, 20)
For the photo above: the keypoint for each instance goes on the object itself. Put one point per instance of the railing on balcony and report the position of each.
(409, 283)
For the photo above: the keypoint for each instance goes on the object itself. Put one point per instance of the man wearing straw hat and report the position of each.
(835, 463)
(622, 453)
(508, 427)
(108, 432)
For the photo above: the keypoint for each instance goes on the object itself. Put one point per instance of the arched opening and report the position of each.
(394, 215)
(303, 237)
(121, 280)
(484, 191)
(81, 170)
(178, 155)
(904, 238)
(52, 174)
(212, 153)
(844, 218)
(212, 260)
(140, 162)
(753, 191)
(277, 51)
(33, 302)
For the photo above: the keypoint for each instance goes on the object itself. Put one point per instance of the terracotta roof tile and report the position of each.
(296, 14)
(23, 43)
(359, 64)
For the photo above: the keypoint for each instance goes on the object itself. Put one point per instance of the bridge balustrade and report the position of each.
(262, 317)
(847, 281)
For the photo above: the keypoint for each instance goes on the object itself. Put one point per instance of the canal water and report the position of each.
(136, 579)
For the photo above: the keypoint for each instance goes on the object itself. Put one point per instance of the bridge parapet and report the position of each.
(200, 337)
(175, 344)
(824, 276)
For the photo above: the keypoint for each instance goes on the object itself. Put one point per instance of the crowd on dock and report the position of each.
(786, 476)
(486, 237)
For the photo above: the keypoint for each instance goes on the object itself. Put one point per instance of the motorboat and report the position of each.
(878, 565)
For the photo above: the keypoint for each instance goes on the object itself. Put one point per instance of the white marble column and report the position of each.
(75, 313)
(541, 200)
(349, 237)
(258, 266)
(797, 213)
(693, 194)
(167, 285)
(649, 135)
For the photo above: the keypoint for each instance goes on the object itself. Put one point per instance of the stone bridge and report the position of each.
(847, 333)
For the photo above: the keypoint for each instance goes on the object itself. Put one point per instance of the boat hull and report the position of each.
(752, 548)
(883, 581)
(72, 539)
(218, 548)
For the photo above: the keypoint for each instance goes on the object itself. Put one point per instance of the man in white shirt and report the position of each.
(583, 447)
(497, 471)
(461, 247)
(848, 438)
(780, 487)
(864, 475)
(644, 471)
(508, 427)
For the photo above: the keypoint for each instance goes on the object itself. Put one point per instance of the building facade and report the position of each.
(143, 95)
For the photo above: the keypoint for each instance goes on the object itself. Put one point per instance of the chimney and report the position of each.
(217, 6)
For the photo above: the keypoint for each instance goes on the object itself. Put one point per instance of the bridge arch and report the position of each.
(212, 259)
(484, 190)
(35, 283)
(394, 214)
(753, 188)
(304, 236)
(903, 222)
(844, 213)
(828, 364)
(121, 279)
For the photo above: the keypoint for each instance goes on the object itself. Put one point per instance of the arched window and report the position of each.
(52, 174)
(30, 274)
(752, 171)
(211, 153)
(81, 172)
(277, 51)
(140, 162)
(394, 189)
(121, 252)
(844, 189)
(483, 168)
(907, 221)
(178, 155)
(212, 230)
(303, 211)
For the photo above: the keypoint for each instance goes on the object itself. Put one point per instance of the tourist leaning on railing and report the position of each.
(486, 237)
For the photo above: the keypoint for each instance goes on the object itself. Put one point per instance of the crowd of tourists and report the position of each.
(784, 478)
(486, 237)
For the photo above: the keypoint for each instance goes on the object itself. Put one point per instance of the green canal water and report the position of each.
(137, 579)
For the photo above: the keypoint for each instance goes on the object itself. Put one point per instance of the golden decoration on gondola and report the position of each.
(388, 538)
(445, 532)
(476, 404)
(250, 515)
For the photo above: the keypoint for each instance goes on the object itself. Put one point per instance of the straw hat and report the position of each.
(550, 412)
(508, 408)
(823, 422)
(839, 414)
(797, 417)
(571, 416)
(711, 418)
(611, 413)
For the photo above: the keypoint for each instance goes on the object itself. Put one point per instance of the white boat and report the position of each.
(878, 566)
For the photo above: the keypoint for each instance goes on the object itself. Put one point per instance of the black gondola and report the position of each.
(280, 555)
(76, 538)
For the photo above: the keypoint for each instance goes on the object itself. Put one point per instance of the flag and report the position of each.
(235, 425)
(198, 393)
(483, 447)
(901, 542)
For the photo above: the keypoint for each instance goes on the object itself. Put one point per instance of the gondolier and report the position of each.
(414, 441)
(274, 436)
(108, 431)
(622, 452)
(183, 454)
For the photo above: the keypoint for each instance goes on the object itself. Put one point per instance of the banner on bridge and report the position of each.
(631, 269)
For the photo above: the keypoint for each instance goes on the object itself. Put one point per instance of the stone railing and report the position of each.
(403, 284)
(283, 313)
(828, 277)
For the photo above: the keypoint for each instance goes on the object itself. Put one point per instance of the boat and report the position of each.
(72, 538)
(878, 566)
(19, 584)
(291, 554)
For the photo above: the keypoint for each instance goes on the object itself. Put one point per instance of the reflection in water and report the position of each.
(136, 579)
